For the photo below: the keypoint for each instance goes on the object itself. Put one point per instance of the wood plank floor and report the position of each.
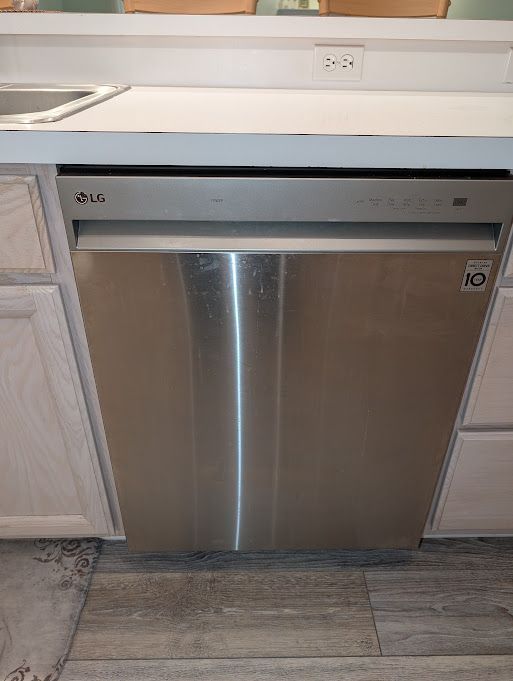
(227, 614)
(442, 612)
(473, 668)
(448, 613)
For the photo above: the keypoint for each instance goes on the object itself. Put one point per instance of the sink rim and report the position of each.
(98, 93)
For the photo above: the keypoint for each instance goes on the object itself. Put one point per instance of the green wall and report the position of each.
(481, 9)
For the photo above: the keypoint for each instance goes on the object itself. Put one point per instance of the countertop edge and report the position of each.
(329, 151)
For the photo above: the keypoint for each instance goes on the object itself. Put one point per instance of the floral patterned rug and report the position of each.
(43, 585)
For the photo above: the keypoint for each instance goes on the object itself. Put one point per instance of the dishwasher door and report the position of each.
(289, 399)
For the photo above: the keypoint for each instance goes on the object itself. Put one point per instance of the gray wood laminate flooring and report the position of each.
(226, 614)
(442, 612)
(475, 668)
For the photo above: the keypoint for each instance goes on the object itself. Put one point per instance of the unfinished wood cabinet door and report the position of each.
(478, 494)
(47, 481)
(491, 396)
(508, 271)
(24, 243)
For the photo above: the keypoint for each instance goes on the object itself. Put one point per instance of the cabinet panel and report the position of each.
(480, 484)
(491, 396)
(24, 244)
(46, 466)
(508, 272)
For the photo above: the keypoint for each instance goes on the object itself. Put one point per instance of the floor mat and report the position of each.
(43, 585)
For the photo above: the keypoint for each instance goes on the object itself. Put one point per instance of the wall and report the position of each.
(481, 9)
(256, 52)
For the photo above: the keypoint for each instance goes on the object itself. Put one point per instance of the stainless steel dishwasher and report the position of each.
(280, 357)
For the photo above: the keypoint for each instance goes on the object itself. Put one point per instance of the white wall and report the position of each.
(262, 52)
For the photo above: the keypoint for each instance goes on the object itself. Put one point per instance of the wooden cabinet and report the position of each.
(477, 492)
(24, 239)
(48, 484)
(479, 484)
(508, 270)
(491, 397)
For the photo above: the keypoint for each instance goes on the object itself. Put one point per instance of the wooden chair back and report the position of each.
(385, 8)
(191, 6)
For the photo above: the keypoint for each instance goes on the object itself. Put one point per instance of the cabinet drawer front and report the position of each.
(480, 479)
(491, 396)
(24, 243)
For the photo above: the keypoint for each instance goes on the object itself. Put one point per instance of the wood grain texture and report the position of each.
(225, 615)
(192, 6)
(479, 483)
(73, 338)
(471, 668)
(83, 379)
(442, 554)
(36, 474)
(46, 467)
(508, 270)
(443, 613)
(24, 241)
(385, 8)
(491, 397)
(20, 527)
(8, 278)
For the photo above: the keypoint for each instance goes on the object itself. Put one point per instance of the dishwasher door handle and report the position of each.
(284, 237)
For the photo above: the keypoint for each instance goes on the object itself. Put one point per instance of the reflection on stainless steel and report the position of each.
(238, 392)
(282, 271)
(277, 401)
(261, 400)
(192, 409)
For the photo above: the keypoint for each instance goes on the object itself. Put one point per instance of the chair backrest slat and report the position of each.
(191, 6)
(385, 8)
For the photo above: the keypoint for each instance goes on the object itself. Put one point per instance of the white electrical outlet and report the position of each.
(338, 62)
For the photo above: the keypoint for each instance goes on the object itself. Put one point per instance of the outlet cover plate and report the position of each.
(339, 55)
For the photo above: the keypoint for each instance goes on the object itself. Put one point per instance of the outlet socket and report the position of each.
(338, 62)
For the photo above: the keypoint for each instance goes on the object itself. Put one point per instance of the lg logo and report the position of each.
(82, 198)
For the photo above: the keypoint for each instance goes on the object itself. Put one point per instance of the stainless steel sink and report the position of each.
(46, 103)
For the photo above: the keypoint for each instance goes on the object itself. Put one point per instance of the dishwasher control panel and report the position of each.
(249, 211)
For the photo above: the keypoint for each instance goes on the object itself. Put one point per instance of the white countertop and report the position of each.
(354, 123)
(293, 112)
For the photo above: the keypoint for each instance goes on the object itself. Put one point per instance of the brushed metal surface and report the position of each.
(229, 199)
(36, 103)
(278, 400)
(285, 237)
